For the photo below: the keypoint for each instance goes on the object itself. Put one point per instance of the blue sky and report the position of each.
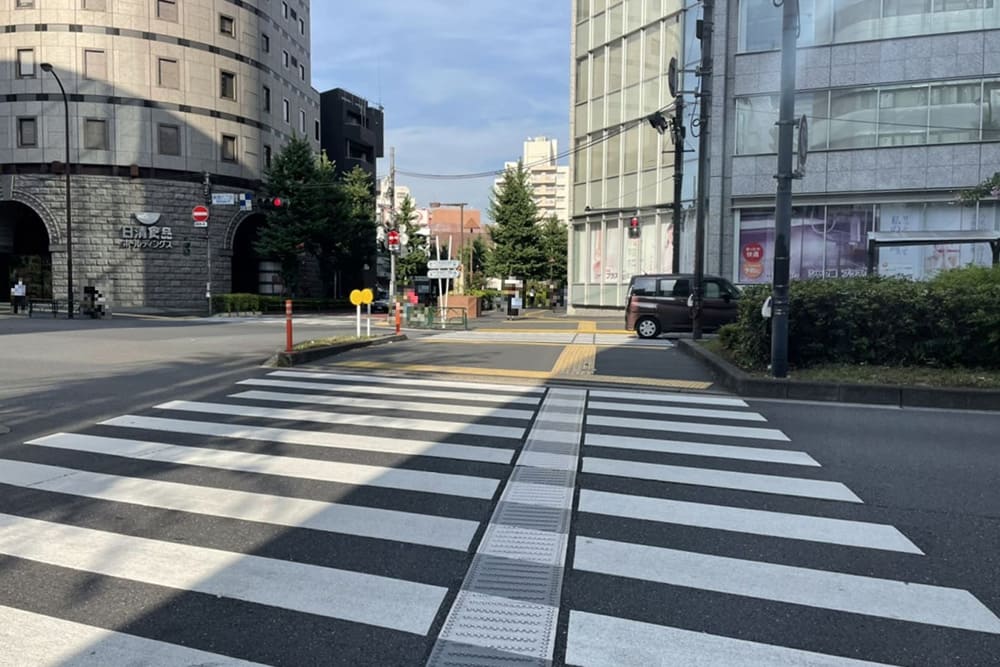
(463, 82)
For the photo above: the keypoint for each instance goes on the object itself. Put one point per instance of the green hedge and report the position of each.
(952, 320)
(258, 303)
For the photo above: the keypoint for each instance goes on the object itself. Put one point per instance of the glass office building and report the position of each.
(903, 103)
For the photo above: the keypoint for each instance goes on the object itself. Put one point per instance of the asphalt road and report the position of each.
(174, 501)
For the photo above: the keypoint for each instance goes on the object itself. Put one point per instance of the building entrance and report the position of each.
(24, 251)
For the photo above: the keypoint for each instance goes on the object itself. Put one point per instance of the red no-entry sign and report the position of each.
(200, 216)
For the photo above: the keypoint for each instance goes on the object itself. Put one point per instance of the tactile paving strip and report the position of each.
(507, 609)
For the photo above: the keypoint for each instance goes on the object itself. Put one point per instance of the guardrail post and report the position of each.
(288, 325)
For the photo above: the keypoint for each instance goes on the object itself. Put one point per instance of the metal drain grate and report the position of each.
(507, 609)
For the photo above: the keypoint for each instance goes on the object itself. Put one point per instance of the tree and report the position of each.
(554, 243)
(282, 236)
(412, 260)
(331, 219)
(990, 188)
(517, 249)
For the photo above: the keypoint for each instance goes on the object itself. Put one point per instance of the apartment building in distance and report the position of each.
(161, 93)
(352, 131)
(903, 105)
(549, 180)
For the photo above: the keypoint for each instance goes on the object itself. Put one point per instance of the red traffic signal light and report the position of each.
(272, 203)
(633, 228)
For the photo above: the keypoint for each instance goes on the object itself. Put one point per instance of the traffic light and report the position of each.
(273, 203)
(633, 228)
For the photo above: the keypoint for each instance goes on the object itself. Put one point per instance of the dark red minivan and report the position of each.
(659, 302)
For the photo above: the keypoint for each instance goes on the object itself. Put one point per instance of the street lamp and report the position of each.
(461, 229)
(47, 67)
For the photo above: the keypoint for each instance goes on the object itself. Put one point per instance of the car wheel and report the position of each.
(647, 327)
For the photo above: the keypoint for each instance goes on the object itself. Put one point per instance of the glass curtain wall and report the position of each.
(832, 241)
(839, 21)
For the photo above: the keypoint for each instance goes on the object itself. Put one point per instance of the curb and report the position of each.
(739, 382)
(285, 359)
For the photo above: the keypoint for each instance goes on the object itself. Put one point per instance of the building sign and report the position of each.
(146, 237)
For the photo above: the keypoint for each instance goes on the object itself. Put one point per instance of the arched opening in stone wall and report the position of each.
(251, 273)
(24, 250)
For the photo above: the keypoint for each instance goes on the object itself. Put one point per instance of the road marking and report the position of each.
(322, 417)
(668, 398)
(576, 360)
(333, 593)
(384, 379)
(753, 522)
(701, 449)
(723, 479)
(396, 405)
(682, 411)
(476, 371)
(885, 598)
(381, 524)
(435, 368)
(33, 639)
(357, 474)
(317, 439)
(427, 394)
(605, 641)
(688, 427)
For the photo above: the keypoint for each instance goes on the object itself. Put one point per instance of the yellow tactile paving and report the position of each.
(576, 360)
(434, 368)
(586, 326)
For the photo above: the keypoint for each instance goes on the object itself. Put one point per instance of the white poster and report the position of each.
(611, 253)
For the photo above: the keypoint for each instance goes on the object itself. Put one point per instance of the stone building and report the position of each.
(163, 96)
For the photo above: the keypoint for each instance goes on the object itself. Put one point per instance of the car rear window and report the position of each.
(643, 286)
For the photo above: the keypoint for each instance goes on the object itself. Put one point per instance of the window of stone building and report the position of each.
(302, 26)
(265, 43)
(267, 156)
(168, 139)
(267, 99)
(166, 10)
(168, 73)
(284, 10)
(295, 61)
(228, 148)
(25, 63)
(25, 4)
(95, 5)
(27, 132)
(227, 85)
(95, 134)
(302, 122)
(95, 64)
(302, 71)
(285, 111)
(293, 14)
(284, 58)
(316, 129)
(227, 25)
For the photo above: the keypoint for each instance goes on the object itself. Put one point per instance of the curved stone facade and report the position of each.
(160, 92)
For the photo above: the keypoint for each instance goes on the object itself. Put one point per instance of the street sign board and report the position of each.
(442, 273)
(200, 216)
(223, 198)
(443, 264)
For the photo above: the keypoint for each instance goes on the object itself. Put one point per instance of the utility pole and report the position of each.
(783, 198)
(704, 32)
(206, 191)
(392, 221)
(678, 133)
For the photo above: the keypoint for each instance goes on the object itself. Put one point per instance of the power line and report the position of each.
(608, 134)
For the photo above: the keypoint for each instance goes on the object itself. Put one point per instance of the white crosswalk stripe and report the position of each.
(614, 542)
(148, 503)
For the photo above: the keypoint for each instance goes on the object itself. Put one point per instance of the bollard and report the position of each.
(288, 325)
(397, 318)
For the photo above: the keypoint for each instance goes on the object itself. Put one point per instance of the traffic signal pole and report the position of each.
(705, 113)
(392, 221)
(207, 192)
(783, 198)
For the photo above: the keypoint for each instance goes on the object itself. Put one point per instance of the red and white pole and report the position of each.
(288, 325)
(397, 318)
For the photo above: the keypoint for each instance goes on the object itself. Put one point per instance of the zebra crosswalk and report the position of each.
(732, 547)
(305, 518)
(302, 517)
